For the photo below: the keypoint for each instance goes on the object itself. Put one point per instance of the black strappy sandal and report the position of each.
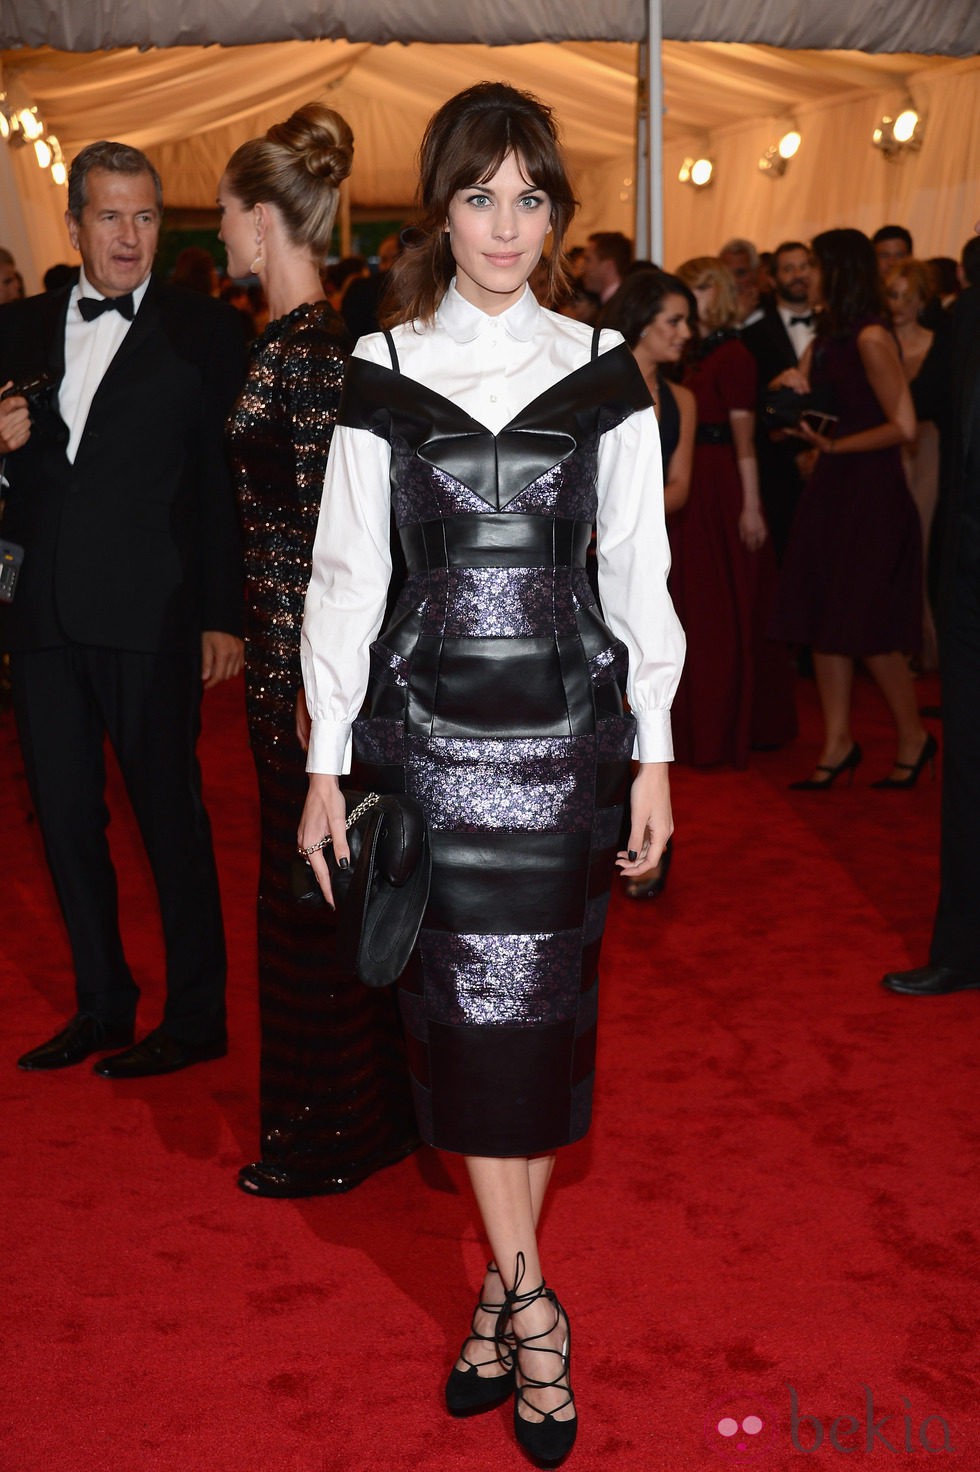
(547, 1441)
(468, 1393)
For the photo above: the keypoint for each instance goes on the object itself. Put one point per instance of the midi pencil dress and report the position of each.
(494, 697)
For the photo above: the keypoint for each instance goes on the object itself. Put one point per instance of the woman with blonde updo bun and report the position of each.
(334, 1090)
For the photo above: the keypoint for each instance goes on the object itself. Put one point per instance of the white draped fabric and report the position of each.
(190, 106)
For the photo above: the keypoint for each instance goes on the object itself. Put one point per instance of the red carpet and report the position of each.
(774, 1216)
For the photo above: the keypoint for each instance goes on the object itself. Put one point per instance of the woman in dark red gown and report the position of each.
(736, 689)
(851, 583)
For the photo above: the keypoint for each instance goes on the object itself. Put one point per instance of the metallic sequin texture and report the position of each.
(500, 979)
(541, 786)
(289, 399)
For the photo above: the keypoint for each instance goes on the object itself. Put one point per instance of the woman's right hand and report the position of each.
(324, 815)
(792, 378)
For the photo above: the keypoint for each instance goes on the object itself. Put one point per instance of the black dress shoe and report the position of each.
(83, 1036)
(931, 981)
(160, 1053)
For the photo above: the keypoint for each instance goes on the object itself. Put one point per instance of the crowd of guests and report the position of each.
(803, 399)
(769, 556)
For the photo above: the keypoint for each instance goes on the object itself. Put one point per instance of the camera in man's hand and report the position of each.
(36, 390)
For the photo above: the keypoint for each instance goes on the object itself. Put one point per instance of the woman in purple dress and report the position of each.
(851, 584)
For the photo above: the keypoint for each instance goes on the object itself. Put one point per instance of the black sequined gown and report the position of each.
(335, 1102)
(495, 700)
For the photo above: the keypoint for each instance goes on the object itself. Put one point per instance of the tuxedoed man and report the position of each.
(778, 341)
(129, 600)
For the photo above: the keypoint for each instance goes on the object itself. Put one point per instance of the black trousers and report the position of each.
(956, 934)
(67, 700)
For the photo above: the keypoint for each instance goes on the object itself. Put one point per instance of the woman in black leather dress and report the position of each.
(498, 432)
(335, 1104)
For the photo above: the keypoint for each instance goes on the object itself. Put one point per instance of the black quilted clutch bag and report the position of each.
(381, 898)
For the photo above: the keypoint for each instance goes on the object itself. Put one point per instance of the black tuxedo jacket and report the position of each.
(769, 343)
(136, 543)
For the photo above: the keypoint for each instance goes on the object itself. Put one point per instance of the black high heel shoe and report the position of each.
(547, 1441)
(927, 755)
(850, 764)
(468, 1393)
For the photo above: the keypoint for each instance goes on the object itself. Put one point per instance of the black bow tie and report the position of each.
(93, 306)
(807, 320)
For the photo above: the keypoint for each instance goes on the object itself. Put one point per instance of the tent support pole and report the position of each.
(343, 220)
(650, 140)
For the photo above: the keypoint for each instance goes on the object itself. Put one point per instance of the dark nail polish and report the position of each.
(631, 855)
(343, 863)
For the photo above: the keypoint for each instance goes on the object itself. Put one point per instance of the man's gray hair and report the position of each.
(113, 158)
(739, 247)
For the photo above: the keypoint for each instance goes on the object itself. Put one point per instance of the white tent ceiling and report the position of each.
(190, 105)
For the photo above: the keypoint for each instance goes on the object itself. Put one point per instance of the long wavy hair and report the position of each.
(851, 288)
(464, 144)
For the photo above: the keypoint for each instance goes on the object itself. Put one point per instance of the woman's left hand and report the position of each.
(805, 432)
(651, 823)
(752, 528)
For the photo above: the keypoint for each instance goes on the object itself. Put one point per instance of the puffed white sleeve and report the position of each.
(634, 560)
(348, 589)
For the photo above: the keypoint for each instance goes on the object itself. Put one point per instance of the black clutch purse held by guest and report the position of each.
(784, 408)
(381, 897)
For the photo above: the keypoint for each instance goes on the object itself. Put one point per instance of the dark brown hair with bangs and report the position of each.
(464, 144)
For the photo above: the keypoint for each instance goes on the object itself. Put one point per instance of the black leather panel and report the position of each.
(506, 540)
(509, 883)
(534, 687)
(516, 1067)
(496, 467)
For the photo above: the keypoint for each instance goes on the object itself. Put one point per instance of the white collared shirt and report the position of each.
(89, 349)
(520, 353)
(801, 334)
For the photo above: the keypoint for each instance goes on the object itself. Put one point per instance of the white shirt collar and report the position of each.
(465, 323)
(84, 287)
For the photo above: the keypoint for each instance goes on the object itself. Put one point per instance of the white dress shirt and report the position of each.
(492, 367)
(801, 334)
(89, 349)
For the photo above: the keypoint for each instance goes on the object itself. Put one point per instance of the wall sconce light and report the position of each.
(20, 126)
(776, 157)
(898, 135)
(696, 171)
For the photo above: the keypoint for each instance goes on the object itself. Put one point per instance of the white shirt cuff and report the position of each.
(330, 748)
(654, 742)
